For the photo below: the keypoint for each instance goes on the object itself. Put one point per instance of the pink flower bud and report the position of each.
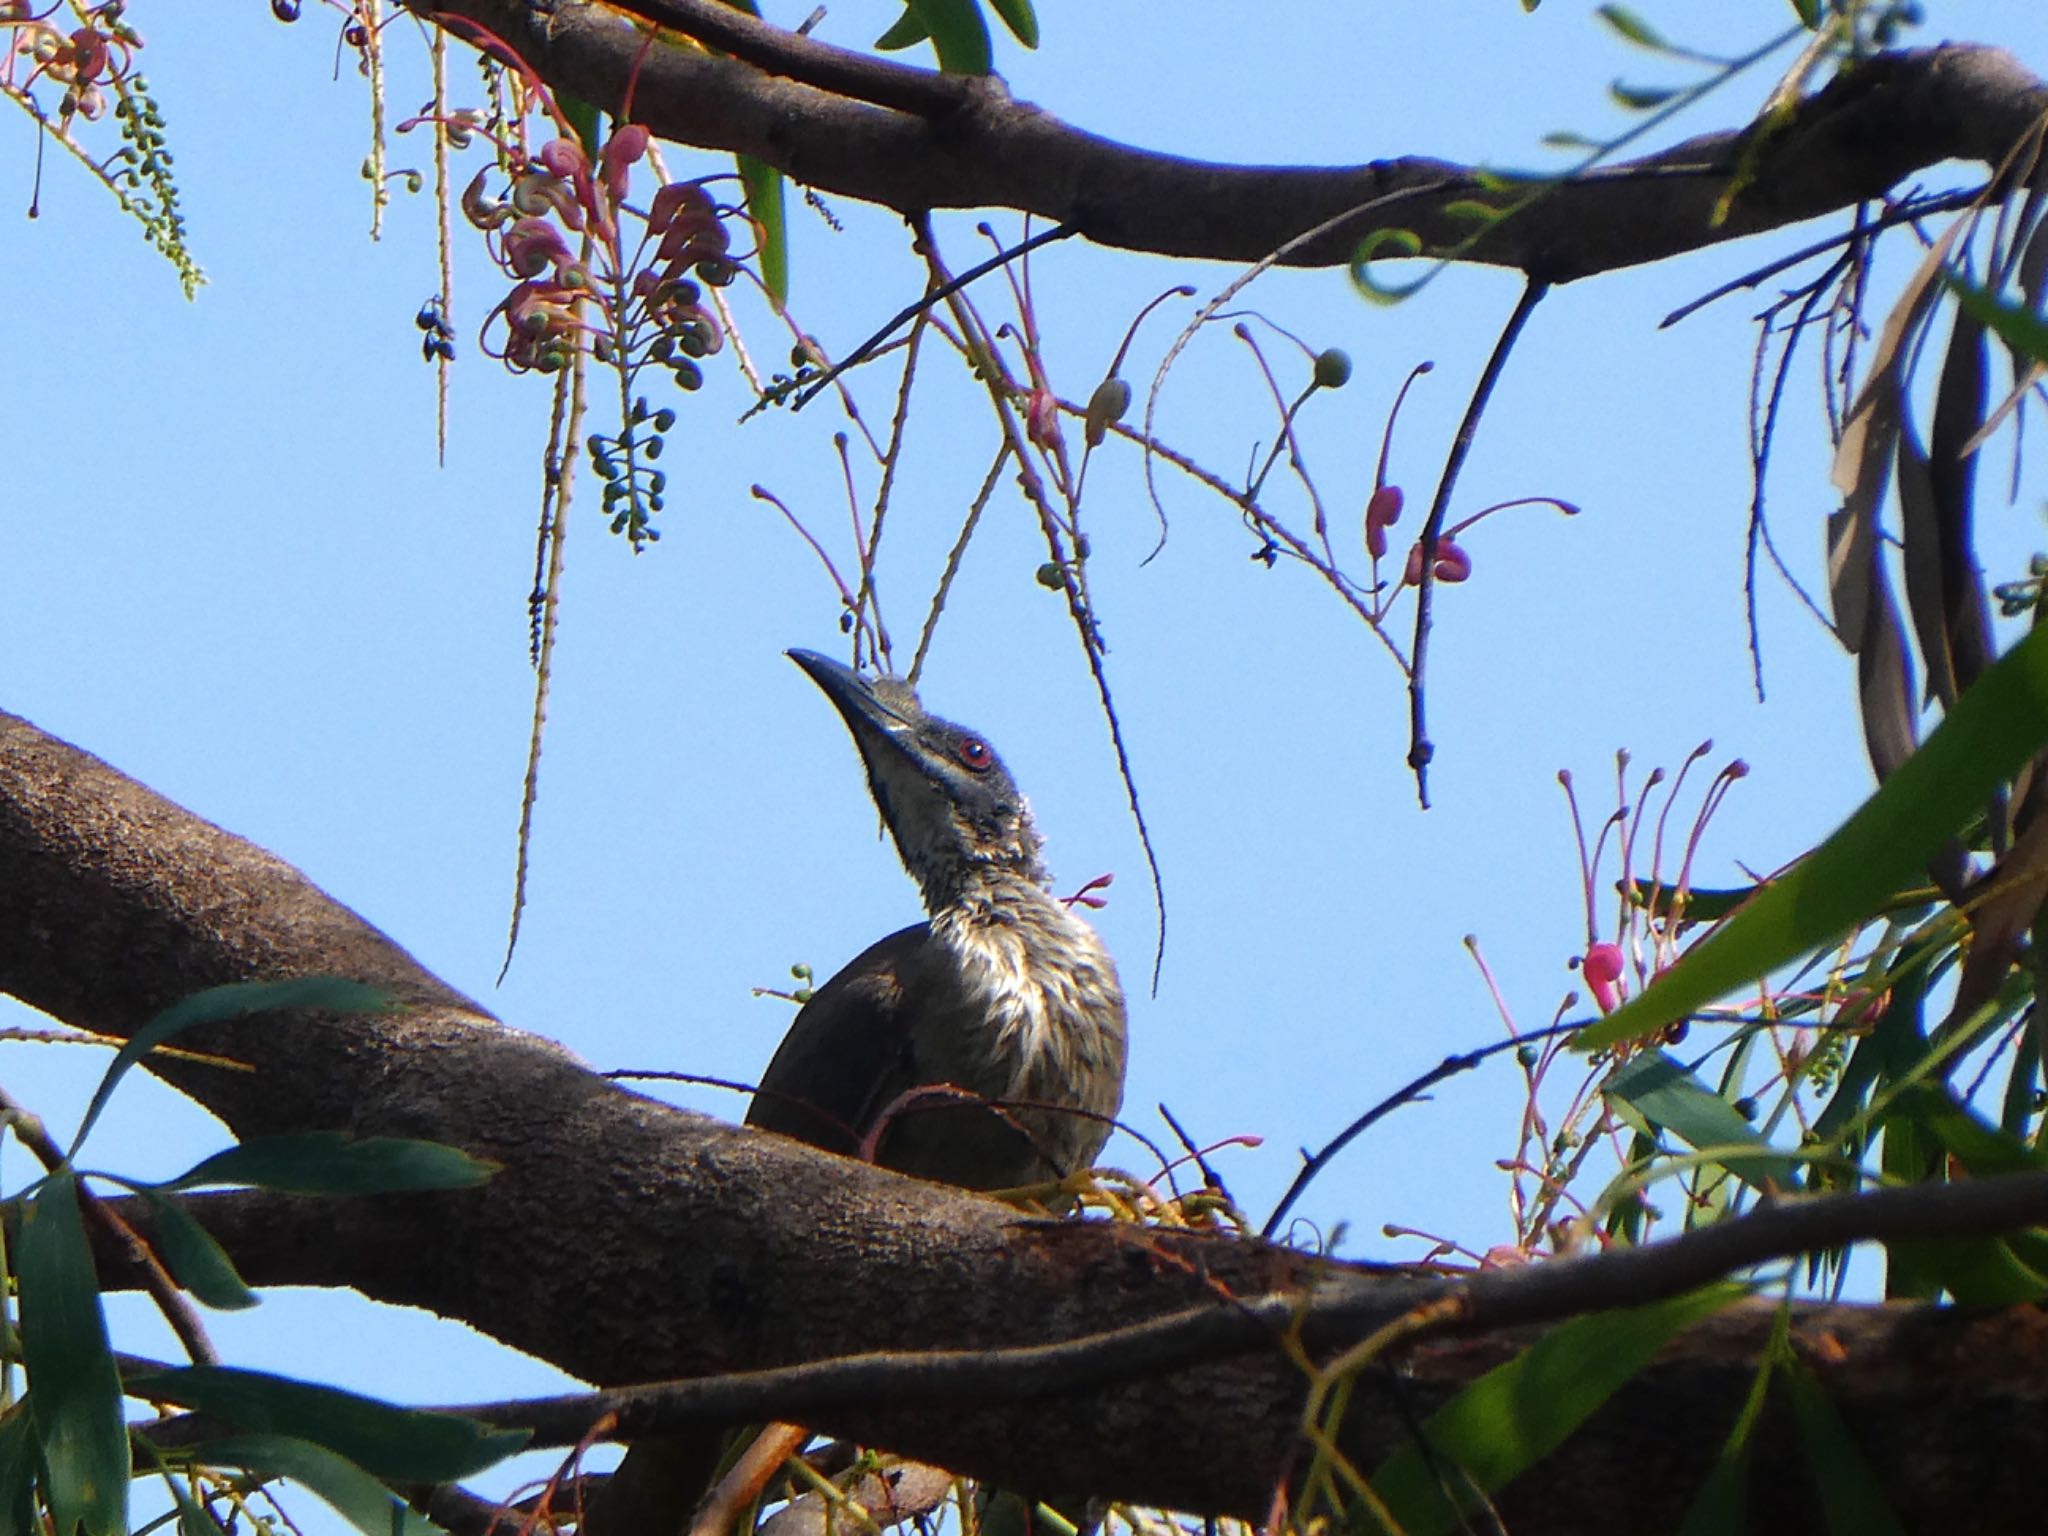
(620, 153)
(1602, 968)
(564, 157)
(1381, 512)
(1042, 419)
(1452, 564)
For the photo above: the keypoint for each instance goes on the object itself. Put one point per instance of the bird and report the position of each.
(1003, 995)
(1003, 1002)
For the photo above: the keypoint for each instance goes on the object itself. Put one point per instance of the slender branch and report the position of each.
(1420, 748)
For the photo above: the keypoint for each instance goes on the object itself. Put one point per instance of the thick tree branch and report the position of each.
(952, 142)
(626, 1241)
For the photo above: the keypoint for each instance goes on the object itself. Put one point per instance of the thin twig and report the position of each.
(1420, 749)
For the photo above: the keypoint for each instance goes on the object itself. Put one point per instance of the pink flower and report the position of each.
(1381, 513)
(616, 160)
(1042, 419)
(1602, 968)
(565, 158)
(534, 245)
(1452, 564)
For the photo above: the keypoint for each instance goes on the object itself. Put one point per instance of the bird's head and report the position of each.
(956, 814)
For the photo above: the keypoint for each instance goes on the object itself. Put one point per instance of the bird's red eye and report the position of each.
(974, 752)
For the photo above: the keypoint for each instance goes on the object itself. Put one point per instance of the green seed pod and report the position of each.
(1333, 368)
(1051, 577)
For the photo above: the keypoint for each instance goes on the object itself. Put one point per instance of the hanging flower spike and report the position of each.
(616, 160)
(1452, 564)
(1382, 511)
(1602, 967)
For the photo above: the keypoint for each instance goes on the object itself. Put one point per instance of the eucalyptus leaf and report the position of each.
(74, 1388)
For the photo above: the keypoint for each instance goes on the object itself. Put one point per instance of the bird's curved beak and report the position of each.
(870, 720)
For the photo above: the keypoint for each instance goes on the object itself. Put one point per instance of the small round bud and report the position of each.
(1051, 577)
(1333, 368)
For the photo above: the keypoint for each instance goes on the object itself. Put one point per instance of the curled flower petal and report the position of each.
(1452, 564)
(620, 153)
(481, 211)
(676, 198)
(534, 245)
(565, 158)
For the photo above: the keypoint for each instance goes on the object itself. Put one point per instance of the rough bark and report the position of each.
(625, 1240)
(961, 142)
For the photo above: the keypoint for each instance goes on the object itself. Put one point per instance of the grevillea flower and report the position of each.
(616, 160)
(1042, 419)
(1451, 563)
(533, 245)
(1602, 967)
(1382, 511)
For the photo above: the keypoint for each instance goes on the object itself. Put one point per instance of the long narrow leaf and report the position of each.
(1849, 1499)
(74, 1389)
(1519, 1412)
(1997, 726)
(355, 1495)
(229, 1002)
(403, 1444)
(329, 1163)
(1667, 1095)
(17, 1471)
(194, 1259)
(959, 35)
(771, 224)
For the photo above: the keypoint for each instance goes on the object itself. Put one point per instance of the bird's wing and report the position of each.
(849, 1043)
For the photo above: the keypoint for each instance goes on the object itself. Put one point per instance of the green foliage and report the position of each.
(401, 1444)
(1519, 1412)
(74, 1391)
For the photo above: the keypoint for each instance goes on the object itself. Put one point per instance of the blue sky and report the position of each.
(230, 565)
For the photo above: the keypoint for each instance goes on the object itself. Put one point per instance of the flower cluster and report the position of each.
(95, 54)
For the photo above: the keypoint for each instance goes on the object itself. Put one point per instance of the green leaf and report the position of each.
(1808, 12)
(907, 31)
(771, 224)
(1631, 27)
(1519, 1412)
(1924, 1127)
(1020, 19)
(2017, 326)
(329, 1163)
(74, 1389)
(582, 118)
(1640, 98)
(1995, 727)
(1565, 139)
(1660, 1089)
(194, 1259)
(401, 1444)
(17, 1471)
(1717, 1508)
(959, 35)
(217, 1004)
(355, 1495)
(1849, 1500)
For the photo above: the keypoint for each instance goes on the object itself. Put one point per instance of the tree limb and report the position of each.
(940, 141)
(625, 1240)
